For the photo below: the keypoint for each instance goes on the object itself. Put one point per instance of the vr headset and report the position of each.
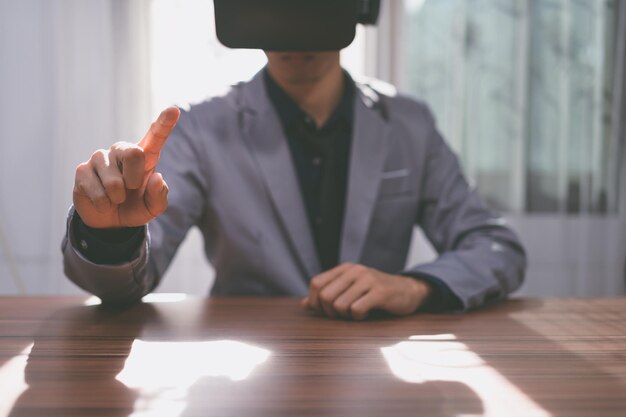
(292, 25)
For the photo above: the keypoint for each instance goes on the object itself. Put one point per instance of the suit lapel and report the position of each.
(367, 157)
(266, 139)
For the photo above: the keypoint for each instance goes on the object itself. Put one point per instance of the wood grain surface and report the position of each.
(268, 357)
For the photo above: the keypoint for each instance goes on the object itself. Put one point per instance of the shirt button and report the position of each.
(318, 220)
(83, 244)
(317, 161)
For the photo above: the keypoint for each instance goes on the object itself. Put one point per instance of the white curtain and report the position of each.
(73, 78)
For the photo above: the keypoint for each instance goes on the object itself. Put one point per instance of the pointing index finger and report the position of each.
(159, 131)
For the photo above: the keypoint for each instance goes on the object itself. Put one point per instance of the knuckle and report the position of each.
(81, 179)
(81, 170)
(134, 153)
(99, 155)
(81, 185)
(118, 146)
(123, 146)
(93, 191)
(79, 188)
(325, 296)
(367, 277)
(316, 283)
(360, 269)
(113, 184)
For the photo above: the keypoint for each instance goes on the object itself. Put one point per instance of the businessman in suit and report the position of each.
(304, 183)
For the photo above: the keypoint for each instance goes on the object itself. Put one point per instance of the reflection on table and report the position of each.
(268, 357)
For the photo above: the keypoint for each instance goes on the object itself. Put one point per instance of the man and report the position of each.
(303, 183)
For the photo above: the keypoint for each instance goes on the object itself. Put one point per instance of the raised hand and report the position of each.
(118, 187)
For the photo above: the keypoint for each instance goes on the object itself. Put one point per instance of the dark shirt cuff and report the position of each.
(107, 246)
(441, 298)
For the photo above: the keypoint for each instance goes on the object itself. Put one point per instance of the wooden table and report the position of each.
(267, 357)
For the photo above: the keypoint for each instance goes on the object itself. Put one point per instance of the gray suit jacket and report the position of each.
(230, 173)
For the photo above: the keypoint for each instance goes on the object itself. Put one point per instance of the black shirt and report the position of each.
(321, 158)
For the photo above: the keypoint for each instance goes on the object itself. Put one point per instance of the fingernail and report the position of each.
(169, 115)
(166, 118)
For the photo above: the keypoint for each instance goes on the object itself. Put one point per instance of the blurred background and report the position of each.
(530, 93)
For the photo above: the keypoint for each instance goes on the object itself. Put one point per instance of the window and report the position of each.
(524, 92)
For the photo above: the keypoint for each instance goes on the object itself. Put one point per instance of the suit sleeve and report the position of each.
(129, 281)
(480, 257)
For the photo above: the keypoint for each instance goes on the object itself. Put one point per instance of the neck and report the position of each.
(317, 98)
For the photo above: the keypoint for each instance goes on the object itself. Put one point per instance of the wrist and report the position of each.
(420, 291)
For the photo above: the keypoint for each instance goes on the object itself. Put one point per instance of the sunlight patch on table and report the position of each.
(442, 358)
(12, 383)
(158, 297)
(150, 298)
(163, 372)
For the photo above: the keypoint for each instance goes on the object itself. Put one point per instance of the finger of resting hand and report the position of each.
(159, 130)
(320, 281)
(87, 185)
(328, 310)
(110, 176)
(360, 308)
(155, 197)
(331, 292)
(344, 302)
(132, 160)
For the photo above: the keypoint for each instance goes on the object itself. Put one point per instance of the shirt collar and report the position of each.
(289, 112)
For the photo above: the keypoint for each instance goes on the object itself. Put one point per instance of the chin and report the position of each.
(303, 77)
(302, 67)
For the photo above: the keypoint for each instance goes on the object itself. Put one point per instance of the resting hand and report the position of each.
(352, 291)
(118, 187)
